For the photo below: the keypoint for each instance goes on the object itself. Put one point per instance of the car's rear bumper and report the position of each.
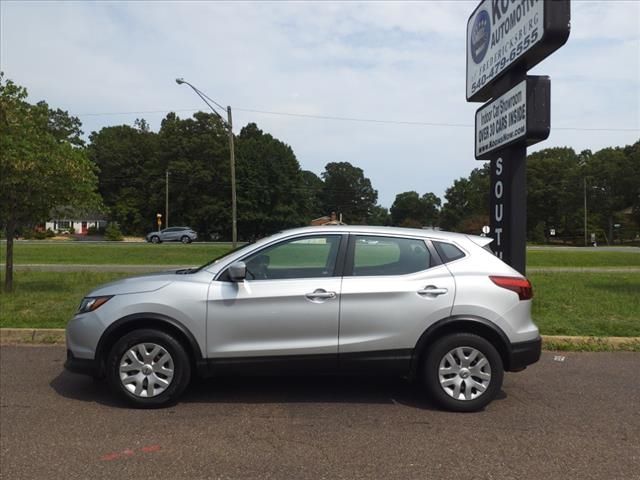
(84, 366)
(522, 354)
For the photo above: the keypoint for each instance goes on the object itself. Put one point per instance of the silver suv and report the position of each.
(172, 234)
(429, 305)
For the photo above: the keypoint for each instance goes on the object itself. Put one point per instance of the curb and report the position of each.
(56, 336)
(36, 336)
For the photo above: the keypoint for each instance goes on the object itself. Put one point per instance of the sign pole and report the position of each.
(508, 205)
(508, 192)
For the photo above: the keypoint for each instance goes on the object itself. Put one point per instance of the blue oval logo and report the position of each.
(480, 36)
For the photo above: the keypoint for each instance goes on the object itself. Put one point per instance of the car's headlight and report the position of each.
(89, 304)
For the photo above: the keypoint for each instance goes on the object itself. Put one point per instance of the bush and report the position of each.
(113, 233)
(39, 234)
(50, 233)
(92, 230)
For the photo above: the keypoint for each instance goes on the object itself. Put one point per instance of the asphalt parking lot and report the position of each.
(571, 416)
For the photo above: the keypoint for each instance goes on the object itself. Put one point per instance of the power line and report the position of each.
(350, 119)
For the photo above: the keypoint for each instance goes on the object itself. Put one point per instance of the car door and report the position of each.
(284, 315)
(165, 234)
(393, 289)
(171, 234)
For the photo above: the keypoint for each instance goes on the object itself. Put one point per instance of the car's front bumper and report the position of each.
(522, 354)
(84, 366)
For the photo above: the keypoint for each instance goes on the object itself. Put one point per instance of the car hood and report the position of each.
(139, 284)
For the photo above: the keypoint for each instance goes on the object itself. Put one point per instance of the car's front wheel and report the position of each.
(148, 368)
(463, 372)
(155, 239)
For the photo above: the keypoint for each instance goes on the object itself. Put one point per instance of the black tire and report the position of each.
(436, 354)
(155, 239)
(185, 239)
(178, 356)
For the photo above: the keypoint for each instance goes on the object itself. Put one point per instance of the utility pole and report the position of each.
(585, 210)
(166, 199)
(234, 219)
(229, 126)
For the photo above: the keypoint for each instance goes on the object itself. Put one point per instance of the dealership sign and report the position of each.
(505, 33)
(519, 115)
(505, 38)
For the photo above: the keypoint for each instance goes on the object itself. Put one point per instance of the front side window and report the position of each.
(389, 256)
(307, 257)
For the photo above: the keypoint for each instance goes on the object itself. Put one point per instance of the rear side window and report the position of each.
(374, 255)
(448, 252)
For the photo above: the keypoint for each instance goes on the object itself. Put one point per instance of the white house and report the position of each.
(80, 225)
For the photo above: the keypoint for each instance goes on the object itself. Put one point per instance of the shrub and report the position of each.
(92, 230)
(39, 234)
(113, 233)
(50, 233)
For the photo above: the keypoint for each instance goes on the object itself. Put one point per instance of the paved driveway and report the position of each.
(572, 417)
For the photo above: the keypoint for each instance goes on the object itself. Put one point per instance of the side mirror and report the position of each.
(237, 271)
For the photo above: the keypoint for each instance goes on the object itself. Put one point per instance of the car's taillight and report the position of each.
(521, 286)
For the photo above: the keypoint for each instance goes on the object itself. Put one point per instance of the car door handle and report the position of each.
(432, 290)
(320, 294)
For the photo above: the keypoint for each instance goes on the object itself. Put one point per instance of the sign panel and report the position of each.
(503, 33)
(502, 122)
(521, 115)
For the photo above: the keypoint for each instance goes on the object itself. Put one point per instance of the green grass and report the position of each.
(115, 253)
(197, 254)
(586, 258)
(48, 299)
(592, 344)
(598, 304)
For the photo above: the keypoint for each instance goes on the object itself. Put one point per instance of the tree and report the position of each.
(409, 209)
(613, 176)
(406, 206)
(348, 192)
(379, 216)
(40, 163)
(431, 205)
(129, 174)
(196, 153)
(554, 192)
(310, 195)
(271, 191)
(467, 198)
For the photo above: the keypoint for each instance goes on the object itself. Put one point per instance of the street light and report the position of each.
(229, 126)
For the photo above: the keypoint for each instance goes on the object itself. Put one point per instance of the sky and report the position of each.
(390, 76)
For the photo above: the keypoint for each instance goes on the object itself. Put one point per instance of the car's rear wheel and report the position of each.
(185, 239)
(463, 372)
(148, 368)
(155, 239)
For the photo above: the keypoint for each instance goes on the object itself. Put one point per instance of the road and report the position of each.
(575, 416)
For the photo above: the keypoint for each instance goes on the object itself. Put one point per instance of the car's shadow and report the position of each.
(256, 390)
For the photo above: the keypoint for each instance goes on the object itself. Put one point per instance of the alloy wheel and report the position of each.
(464, 373)
(146, 370)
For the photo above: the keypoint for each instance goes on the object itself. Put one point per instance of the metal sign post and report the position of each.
(504, 39)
